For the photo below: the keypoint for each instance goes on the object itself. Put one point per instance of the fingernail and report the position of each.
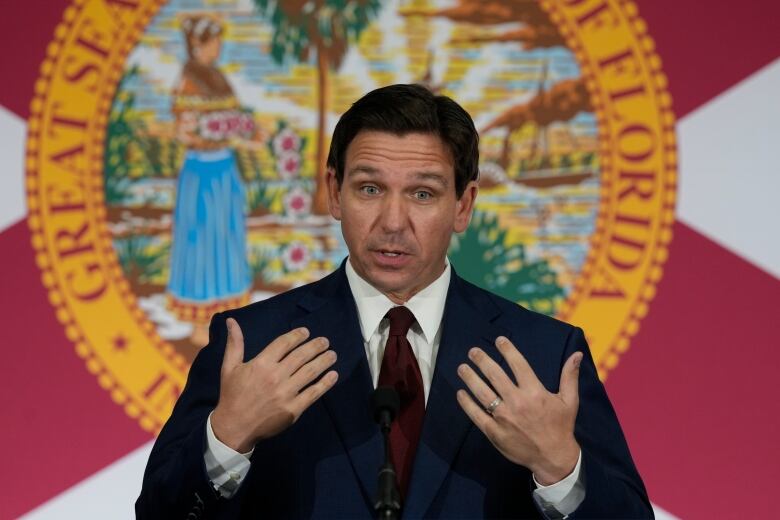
(304, 331)
(577, 360)
(473, 353)
(501, 340)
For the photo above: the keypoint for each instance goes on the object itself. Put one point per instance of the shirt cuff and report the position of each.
(225, 467)
(564, 497)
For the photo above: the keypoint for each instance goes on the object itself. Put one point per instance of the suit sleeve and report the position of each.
(613, 487)
(176, 484)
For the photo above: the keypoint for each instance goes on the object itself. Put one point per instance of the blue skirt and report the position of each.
(208, 257)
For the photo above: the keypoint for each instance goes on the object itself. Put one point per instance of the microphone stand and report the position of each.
(388, 499)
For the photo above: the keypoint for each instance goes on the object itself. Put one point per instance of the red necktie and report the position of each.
(400, 370)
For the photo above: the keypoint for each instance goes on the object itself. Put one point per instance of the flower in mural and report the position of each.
(297, 203)
(296, 256)
(288, 165)
(218, 126)
(286, 141)
(245, 124)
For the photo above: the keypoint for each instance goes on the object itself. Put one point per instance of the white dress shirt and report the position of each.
(227, 468)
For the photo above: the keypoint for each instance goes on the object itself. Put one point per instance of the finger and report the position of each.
(310, 395)
(484, 394)
(305, 353)
(492, 371)
(477, 414)
(570, 376)
(524, 374)
(234, 348)
(282, 345)
(312, 370)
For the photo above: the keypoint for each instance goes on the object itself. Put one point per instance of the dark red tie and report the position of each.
(400, 370)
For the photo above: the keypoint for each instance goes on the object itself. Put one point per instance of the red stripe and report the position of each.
(59, 425)
(707, 47)
(26, 28)
(697, 391)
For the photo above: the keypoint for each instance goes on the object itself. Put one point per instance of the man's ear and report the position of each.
(464, 207)
(334, 194)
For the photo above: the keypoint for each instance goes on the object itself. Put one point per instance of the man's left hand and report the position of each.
(530, 426)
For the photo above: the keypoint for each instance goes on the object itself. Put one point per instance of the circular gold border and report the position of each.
(73, 331)
(647, 290)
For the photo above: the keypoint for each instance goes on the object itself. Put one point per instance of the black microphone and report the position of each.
(384, 407)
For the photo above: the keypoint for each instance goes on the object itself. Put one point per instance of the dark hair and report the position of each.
(403, 109)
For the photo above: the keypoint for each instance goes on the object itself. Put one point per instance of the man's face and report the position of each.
(398, 209)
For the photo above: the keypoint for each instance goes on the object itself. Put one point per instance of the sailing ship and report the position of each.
(560, 103)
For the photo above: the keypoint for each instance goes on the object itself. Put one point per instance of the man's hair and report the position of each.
(404, 109)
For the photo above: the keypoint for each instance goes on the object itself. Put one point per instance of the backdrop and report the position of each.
(629, 185)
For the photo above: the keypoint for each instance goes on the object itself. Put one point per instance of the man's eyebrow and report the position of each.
(360, 168)
(433, 176)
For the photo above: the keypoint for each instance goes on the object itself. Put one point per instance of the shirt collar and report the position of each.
(427, 305)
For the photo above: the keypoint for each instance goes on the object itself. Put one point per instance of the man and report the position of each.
(275, 421)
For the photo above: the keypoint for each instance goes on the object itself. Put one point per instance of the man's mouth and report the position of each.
(391, 253)
(390, 258)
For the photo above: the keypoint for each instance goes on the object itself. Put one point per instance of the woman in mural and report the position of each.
(209, 271)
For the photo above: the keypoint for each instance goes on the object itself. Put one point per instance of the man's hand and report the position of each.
(530, 426)
(263, 397)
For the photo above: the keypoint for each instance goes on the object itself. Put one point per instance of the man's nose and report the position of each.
(395, 214)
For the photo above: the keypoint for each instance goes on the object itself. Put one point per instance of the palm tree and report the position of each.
(325, 27)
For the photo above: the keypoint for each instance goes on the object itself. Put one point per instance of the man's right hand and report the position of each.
(264, 396)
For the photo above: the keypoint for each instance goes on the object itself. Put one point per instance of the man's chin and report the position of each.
(397, 283)
(390, 281)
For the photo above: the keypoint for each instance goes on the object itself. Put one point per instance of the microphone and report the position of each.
(385, 404)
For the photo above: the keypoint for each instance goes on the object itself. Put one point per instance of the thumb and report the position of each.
(570, 375)
(234, 349)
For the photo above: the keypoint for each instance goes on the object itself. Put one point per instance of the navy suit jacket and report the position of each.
(326, 464)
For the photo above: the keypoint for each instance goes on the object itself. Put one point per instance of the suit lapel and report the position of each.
(332, 314)
(466, 323)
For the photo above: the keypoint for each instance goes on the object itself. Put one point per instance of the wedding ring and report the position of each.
(492, 406)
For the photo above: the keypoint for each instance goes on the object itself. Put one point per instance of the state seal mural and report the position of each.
(176, 159)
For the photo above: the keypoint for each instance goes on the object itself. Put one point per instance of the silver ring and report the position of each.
(492, 406)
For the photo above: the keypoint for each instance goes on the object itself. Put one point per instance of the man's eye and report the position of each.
(423, 195)
(369, 190)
